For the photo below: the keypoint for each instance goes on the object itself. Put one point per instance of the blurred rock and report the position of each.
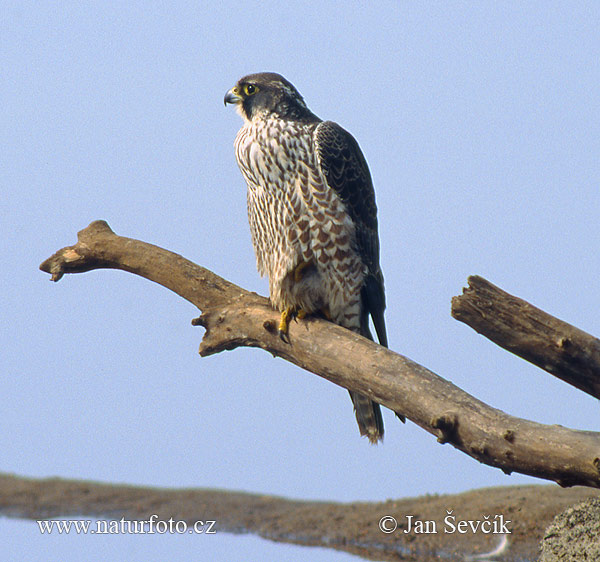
(574, 534)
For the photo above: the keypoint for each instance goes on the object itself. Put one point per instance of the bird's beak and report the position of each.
(233, 96)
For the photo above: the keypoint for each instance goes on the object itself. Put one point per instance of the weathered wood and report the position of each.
(234, 317)
(519, 327)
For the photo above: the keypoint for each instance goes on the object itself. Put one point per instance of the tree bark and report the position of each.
(234, 317)
(512, 323)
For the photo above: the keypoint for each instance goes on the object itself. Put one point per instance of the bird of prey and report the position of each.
(313, 217)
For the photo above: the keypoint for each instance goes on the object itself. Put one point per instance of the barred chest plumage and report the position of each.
(295, 218)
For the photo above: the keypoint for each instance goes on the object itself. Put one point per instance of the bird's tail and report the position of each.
(368, 412)
(368, 416)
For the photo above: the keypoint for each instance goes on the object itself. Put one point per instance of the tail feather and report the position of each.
(368, 416)
(368, 412)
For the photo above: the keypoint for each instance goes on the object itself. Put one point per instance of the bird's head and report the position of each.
(265, 94)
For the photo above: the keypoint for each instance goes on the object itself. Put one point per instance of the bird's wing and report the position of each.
(346, 171)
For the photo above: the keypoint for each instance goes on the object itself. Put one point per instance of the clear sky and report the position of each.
(480, 123)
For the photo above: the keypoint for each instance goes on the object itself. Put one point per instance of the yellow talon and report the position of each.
(286, 317)
(289, 314)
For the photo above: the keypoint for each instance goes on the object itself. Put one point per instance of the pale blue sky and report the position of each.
(480, 123)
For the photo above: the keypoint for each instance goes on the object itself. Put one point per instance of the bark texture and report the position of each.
(234, 317)
(553, 345)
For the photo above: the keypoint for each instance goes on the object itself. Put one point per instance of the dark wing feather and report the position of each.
(347, 173)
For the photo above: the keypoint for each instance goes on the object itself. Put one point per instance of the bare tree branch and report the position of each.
(512, 323)
(234, 317)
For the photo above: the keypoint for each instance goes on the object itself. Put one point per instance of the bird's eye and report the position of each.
(250, 89)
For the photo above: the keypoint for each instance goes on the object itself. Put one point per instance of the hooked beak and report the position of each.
(232, 96)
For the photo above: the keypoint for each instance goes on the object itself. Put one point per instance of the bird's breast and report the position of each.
(294, 217)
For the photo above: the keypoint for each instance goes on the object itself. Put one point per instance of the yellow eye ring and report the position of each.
(250, 89)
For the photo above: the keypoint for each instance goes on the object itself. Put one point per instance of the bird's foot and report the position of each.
(289, 314)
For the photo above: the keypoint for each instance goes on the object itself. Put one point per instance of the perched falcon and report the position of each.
(312, 213)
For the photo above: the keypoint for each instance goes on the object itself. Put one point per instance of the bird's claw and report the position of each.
(289, 314)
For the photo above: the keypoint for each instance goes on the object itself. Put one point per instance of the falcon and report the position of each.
(312, 214)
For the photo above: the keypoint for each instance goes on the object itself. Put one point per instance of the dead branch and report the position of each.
(519, 327)
(234, 317)
(350, 527)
